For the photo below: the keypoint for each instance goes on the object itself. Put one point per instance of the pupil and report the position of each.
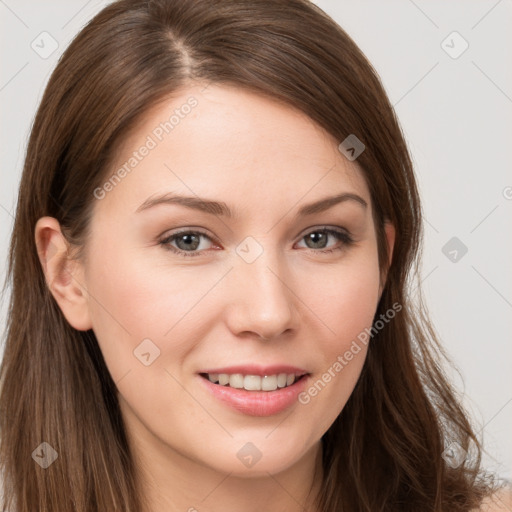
(189, 241)
(316, 237)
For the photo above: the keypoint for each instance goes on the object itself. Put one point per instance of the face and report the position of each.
(180, 293)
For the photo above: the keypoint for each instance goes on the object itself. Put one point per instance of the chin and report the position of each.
(254, 456)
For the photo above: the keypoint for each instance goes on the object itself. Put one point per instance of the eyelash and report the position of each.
(342, 236)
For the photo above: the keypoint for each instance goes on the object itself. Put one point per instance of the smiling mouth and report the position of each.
(253, 382)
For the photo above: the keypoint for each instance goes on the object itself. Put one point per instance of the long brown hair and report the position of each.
(385, 450)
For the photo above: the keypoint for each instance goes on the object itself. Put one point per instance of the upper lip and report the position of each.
(252, 369)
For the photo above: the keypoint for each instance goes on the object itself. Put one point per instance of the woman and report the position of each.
(216, 224)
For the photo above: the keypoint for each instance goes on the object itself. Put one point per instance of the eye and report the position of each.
(318, 239)
(188, 243)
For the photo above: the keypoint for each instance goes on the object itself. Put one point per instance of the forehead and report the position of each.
(229, 142)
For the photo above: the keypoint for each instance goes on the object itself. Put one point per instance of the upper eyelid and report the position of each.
(185, 231)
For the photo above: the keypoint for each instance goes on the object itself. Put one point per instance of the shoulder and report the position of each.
(500, 501)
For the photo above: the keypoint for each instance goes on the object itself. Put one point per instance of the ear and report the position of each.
(64, 275)
(390, 233)
(390, 239)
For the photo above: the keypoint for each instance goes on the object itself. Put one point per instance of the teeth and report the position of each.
(253, 382)
(236, 380)
(269, 382)
(281, 380)
(223, 379)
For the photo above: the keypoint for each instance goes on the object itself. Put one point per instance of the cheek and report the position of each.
(345, 299)
(132, 301)
(347, 306)
(178, 306)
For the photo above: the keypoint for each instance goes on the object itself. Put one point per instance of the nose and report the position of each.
(262, 300)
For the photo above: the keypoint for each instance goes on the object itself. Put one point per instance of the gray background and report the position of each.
(456, 113)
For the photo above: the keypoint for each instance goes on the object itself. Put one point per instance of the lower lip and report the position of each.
(257, 403)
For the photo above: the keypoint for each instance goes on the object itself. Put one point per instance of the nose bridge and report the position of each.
(265, 302)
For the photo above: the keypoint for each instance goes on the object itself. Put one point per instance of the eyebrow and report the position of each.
(221, 208)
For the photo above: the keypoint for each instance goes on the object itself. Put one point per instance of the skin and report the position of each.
(500, 501)
(294, 304)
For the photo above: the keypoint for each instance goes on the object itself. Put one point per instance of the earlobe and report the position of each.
(64, 275)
